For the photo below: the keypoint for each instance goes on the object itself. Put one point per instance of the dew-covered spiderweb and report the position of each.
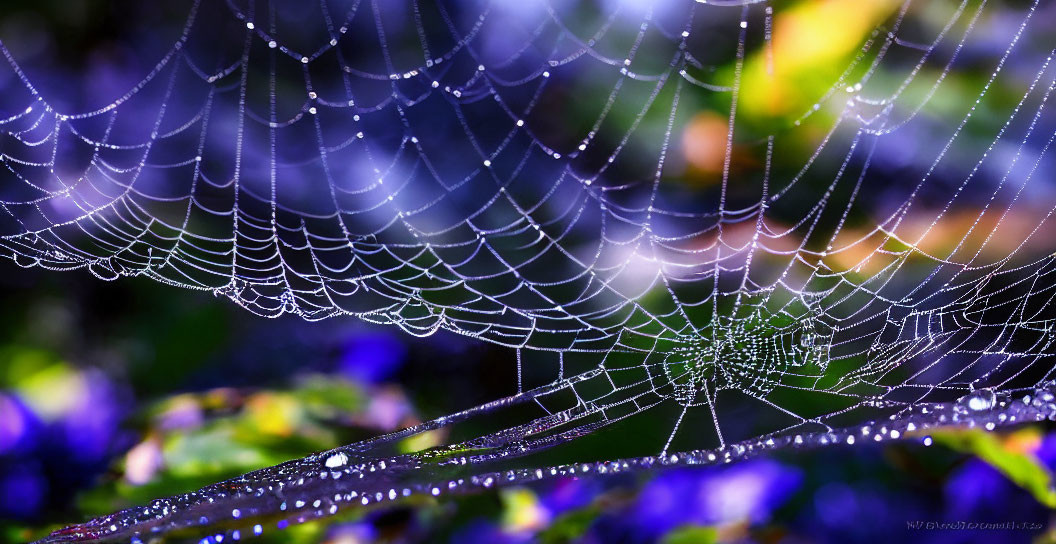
(706, 229)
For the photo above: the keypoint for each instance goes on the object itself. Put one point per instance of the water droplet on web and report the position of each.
(979, 400)
(336, 460)
(775, 337)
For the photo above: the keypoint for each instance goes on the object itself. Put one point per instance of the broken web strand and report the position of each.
(641, 333)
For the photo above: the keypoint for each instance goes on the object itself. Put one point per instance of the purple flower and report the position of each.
(975, 488)
(482, 531)
(837, 505)
(18, 425)
(565, 494)
(359, 531)
(746, 492)
(372, 356)
(23, 489)
(90, 427)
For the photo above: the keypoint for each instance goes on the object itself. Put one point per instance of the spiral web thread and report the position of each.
(515, 171)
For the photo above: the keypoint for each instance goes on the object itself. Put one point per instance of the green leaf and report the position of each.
(569, 526)
(692, 534)
(1022, 468)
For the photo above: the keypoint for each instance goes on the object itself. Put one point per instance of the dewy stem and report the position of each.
(326, 483)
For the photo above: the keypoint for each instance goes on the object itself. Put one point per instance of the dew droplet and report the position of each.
(338, 459)
(979, 400)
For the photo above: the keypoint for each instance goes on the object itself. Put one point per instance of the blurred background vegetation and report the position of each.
(112, 394)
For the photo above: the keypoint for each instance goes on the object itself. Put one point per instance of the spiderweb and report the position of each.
(750, 231)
